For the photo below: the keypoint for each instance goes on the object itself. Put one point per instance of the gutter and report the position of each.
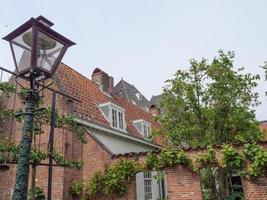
(117, 133)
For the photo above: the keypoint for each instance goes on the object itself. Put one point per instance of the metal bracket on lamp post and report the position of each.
(17, 114)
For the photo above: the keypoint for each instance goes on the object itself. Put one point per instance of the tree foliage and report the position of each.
(211, 103)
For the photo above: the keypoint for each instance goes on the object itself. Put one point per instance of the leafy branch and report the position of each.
(9, 153)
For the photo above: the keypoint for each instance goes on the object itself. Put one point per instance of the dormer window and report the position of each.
(143, 127)
(114, 114)
(117, 118)
(146, 130)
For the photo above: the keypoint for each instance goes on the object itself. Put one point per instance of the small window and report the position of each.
(114, 118)
(146, 130)
(143, 127)
(148, 185)
(121, 120)
(117, 119)
(114, 114)
(235, 184)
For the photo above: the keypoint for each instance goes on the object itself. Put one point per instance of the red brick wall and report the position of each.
(95, 158)
(183, 184)
(255, 189)
(7, 179)
(6, 183)
(42, 179)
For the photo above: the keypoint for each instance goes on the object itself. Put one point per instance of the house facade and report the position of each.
(113, 126)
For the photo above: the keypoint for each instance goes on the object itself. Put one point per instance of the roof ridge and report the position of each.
(123, 81)
(129, 102)
(124, 88)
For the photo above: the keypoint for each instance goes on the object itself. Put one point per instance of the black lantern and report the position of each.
(37, 49)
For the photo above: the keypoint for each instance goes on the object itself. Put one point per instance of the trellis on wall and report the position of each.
(12, 93)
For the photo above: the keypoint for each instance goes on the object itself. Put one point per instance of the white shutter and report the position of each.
(155, 186)
(140, 194)
(165, 185)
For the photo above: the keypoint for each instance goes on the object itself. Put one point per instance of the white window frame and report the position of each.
(148, 179)
(144, 183)
(146, 124)
(120, 123)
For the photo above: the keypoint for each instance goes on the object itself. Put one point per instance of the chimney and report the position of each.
(111, 85)
(154, 110)
(103, 80)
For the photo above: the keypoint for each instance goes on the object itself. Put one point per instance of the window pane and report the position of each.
(147, 175)
(121, 120)
(144, 129)
(148, 185)
(114, 118)
(148, 189)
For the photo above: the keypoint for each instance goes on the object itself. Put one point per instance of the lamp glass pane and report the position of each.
(22, 50)
(48, 50)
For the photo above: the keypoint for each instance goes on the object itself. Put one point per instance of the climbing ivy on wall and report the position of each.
(9, 153)
(257, 157)
(207, 159)
(115, 178)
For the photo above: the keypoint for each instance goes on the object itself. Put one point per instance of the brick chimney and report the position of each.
(154, 110)
(103, 80)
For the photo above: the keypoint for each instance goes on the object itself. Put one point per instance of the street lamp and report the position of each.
(37, 50)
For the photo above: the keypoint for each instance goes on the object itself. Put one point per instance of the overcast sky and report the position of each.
(146, 41)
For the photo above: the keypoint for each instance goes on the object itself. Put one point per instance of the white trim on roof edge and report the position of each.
(112, 105)
(142, 121)
(117, 133)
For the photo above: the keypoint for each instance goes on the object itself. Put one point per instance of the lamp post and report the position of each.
(37, 50)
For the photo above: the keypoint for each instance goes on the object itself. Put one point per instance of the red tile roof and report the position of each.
(82, 88)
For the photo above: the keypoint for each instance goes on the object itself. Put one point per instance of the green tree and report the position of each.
(210, 104)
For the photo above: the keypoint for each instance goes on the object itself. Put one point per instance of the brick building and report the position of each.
(115, 127)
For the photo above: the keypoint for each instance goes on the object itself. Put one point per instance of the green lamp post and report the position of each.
(37, 50)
